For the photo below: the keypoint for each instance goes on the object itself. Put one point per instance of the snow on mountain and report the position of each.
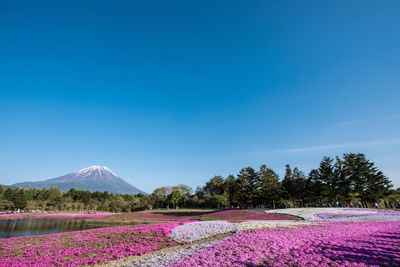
(101, 170)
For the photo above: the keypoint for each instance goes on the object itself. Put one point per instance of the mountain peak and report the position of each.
(92, 178)
(96, 169)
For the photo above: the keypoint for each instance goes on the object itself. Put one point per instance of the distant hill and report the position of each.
(94, 178)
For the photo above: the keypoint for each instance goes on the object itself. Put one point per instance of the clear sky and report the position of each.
(168, 92)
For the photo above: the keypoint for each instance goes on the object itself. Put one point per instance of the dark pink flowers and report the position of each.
(311, 242)
(84, 247)
(74, 215)
(333, 244)
(245, 215)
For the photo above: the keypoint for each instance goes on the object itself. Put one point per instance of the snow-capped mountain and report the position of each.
(93, 178)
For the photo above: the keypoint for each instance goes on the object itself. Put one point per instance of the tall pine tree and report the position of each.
(271, 188)
(247, 187)
(366, 180)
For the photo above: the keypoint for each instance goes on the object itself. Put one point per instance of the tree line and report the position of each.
(350, 180)
(52, 199)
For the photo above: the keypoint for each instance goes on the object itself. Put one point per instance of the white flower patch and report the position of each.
(339, 214)
(194, 231)
(272, 224)
(166, 258)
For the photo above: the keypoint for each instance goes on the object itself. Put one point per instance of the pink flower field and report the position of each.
(85, 247)
(225, 238)
(149, 217)
(245, 215)
(72, 215)
(334, 244)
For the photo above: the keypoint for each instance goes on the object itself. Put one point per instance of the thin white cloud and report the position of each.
(343, 145)
(355, 122)
(366, 121)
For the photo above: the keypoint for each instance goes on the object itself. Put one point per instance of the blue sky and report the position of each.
(168, 92)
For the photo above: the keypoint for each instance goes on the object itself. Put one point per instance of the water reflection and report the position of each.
(39, 226)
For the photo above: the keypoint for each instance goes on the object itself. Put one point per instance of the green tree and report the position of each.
(215, 186)
(317, 188)
(327, 180)
(289, 184)
(9, 194)
(176, 198)
(53, 197)
(20, 199)
(301, 187)
(295, 186)
(230, 190)
(159, 196)
(178, 195)
(119, 204)
(271, 188)
(222, 200)
(6, 205)
(346, 172)
(364, 179)
(247, 187)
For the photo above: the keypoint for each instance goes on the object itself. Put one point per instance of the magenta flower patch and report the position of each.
(333, 244)
(85, 247)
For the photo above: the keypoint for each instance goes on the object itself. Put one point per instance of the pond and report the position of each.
(12, 227)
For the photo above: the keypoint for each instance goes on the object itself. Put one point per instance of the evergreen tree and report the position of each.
(301, 192)
(247, 187)
(295, 185)
(215, 186)
(4, 203)
(317, 188)
(289, 185)
(271, 188)
(9, 194)
(20, 199)
(351, 172)
(229, 189)
(328, 187)
(369, 183)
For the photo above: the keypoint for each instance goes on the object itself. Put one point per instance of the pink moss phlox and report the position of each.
(245, 215)
(85, 247)
(333, 244)
(73, 215)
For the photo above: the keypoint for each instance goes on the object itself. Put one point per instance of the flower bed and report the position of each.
(148, 217)
(194, 231)
(340, 214)
(271, 224)
(169, 257)
(324, 238)
(85, 247)
(334, 244)
(75, 215)
(245, 215)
